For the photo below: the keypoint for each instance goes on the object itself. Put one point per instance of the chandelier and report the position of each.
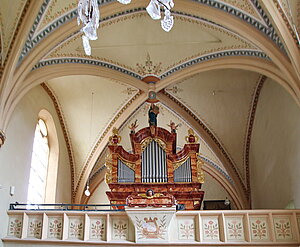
(88, 14)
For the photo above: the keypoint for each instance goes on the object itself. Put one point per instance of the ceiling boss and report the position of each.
(89, 15)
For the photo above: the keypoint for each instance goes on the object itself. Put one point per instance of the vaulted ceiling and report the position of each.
(210, 68)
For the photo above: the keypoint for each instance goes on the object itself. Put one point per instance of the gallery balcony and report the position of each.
(116, 225)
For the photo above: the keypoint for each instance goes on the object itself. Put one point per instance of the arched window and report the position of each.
(44, 162)
(39, 164)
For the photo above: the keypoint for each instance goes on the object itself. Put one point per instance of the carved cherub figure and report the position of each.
(173, 126)
(133, 126)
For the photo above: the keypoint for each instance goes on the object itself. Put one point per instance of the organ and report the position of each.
(155, 164)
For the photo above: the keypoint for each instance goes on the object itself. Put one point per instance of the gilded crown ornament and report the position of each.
(191, 138)
(115, 139)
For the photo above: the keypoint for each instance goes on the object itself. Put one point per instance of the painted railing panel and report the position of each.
(250, 227)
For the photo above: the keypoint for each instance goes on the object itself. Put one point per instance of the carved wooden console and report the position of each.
(154, 164)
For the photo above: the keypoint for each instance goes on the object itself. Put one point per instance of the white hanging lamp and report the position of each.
(88, 14)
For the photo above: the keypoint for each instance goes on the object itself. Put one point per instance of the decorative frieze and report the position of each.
(210, 229)
(120, 229)
(283, 228)
(15, 224)
(97, 228)
(76, 227)
(34, 229)
(234, 228)
(186, 228)
(259, 228)
(151, 225)
(55, 227)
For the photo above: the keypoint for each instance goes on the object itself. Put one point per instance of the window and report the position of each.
(39, 165)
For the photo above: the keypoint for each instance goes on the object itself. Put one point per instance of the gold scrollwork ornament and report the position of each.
(108, 175)
(200, 173)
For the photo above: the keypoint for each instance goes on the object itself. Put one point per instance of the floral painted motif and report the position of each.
(234, 229)
(76, 228)
(120, 229)
(35, 227)
(259, 229)
(55, 227)
(211, 229)
(97, 229)
(186, 229)
(283, 229)
(151, 227)
(15, 226)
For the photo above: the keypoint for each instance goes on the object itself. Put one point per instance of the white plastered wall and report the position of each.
(275, 150)
(15, 154)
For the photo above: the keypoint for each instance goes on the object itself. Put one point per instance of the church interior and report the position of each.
(218, 96)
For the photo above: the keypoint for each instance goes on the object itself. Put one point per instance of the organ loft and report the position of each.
(155, 173)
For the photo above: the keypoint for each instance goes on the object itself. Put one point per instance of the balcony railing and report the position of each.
(206, 228)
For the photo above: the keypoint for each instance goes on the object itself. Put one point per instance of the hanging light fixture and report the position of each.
(154, 9)
(88, 14)
(87, 191)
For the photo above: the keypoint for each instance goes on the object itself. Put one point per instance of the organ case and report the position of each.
(154, 164)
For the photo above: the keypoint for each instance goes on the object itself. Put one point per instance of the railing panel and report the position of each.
(244, 227)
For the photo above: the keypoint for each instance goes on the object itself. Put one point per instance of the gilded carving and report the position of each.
(200, 173)
(148, 140)
(108, 175)
(130, 165)
(191, 137)
(115, 138)
(179, 163)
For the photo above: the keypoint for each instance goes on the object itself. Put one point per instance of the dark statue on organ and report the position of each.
(152, 113)
(154, 174)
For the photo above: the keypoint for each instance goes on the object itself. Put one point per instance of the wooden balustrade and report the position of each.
(205, 228)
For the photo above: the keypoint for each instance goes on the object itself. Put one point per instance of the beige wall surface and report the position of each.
(15, 155)
(275, 150)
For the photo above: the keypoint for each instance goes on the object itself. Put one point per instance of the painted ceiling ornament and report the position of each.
(88, 14)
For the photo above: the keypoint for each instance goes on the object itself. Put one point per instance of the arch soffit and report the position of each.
(258, 65)
(233, 23)
(261, 66)
(43, 74)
